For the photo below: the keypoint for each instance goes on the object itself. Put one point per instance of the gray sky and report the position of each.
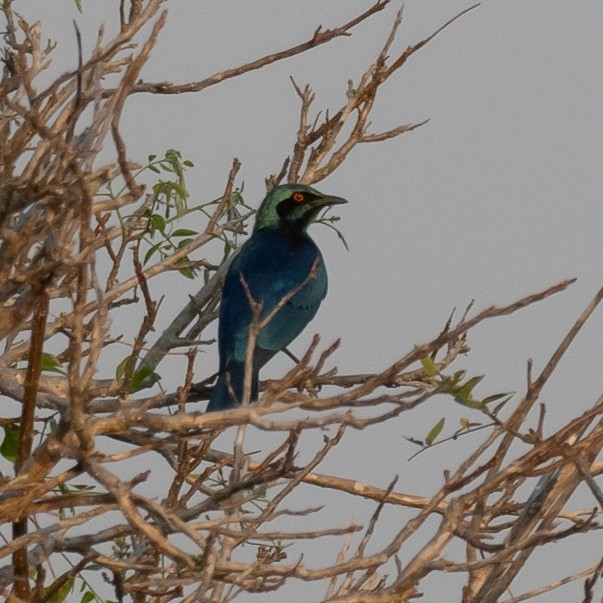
(498, 196)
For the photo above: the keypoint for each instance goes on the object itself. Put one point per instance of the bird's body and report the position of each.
(279, 262)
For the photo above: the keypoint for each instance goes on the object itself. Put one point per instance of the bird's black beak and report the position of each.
(327, 201)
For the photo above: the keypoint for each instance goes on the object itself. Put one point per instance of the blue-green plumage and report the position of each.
(279, 258)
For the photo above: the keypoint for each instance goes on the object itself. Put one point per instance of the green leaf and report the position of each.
(51, 364)
(227, 249)
(188, 272)
(143, 376)
(184, 232)
(499, 406)
(465, 391)
(121, 369)
(87, 597)
(158, 187)
(151, 158)
(458, 376)
(184, 243)
(179, 189)
(429, 366)
(83, 487)
(151, 252)
(435, 431)
(495, 397)
(60, 595)
(236, 198)
(10, 444)
(342, 239)
(469, 402)
(462, 392)
(173, 155)
(157, 222)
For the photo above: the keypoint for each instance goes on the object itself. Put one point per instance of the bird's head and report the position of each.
(292, 207)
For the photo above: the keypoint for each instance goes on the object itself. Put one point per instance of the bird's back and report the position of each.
(272, 265)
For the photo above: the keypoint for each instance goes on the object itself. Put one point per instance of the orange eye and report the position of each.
(298, 197)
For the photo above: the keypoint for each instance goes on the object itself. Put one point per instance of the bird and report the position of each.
(279, 270)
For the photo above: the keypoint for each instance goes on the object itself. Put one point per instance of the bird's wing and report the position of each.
(271, 268)
(292, 318)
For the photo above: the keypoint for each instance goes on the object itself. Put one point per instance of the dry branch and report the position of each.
(217, 524)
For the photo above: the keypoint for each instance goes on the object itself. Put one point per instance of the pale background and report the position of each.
(497, 197)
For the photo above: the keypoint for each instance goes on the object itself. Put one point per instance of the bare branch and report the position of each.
(320, 37)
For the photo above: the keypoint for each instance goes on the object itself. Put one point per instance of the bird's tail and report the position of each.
(229, 388)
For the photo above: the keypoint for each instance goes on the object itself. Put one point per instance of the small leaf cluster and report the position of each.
(141, 378)
(330, 221)
(462, 391)
(169, 205)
